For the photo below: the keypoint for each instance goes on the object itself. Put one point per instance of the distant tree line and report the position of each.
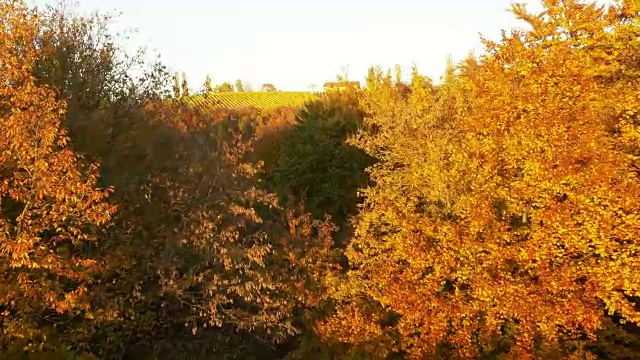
(181, 86)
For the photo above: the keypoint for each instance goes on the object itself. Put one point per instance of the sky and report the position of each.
(295, 44)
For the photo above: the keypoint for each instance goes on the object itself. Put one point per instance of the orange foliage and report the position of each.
(503, 216)
(512, 200)
(50, 206)
(200, 258)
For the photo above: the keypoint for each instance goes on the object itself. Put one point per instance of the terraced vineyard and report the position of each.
(259, 100)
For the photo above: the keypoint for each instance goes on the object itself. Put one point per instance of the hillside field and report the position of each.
(258, 100)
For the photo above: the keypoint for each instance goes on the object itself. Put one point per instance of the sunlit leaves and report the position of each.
(509, 197)
(50, 206)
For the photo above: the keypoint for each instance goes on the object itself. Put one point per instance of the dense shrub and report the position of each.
(197, 240)
(266, 128)
(316, 163)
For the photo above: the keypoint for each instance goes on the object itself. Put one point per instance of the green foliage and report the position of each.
(185, 85)
(616, 340)
(224, 87)
(176, 85)
(239, 86)
(89, 67)
(317, 164)
(268, 87)
(207, 85)
(196, 239)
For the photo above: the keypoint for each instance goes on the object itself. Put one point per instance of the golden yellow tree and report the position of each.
(508, 208)
(50, 207)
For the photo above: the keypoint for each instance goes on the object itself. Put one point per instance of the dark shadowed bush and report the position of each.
(316, 164)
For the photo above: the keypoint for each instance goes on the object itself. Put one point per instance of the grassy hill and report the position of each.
(259, 100)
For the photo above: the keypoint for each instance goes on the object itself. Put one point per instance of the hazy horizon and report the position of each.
(294, 45)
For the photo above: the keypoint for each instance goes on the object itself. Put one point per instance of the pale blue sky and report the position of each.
(294, 44)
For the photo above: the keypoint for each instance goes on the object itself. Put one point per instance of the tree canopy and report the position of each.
(505, 205)
(491, 215)
(268, 87)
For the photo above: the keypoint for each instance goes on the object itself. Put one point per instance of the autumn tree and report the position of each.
(185, 86)
(51, 210)
(176, 85)
(504, 216)
(211, 250)
(79, 60)
(208, 87)
(200, 259)
(239, 86)
(224, 87)
(268, 87)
